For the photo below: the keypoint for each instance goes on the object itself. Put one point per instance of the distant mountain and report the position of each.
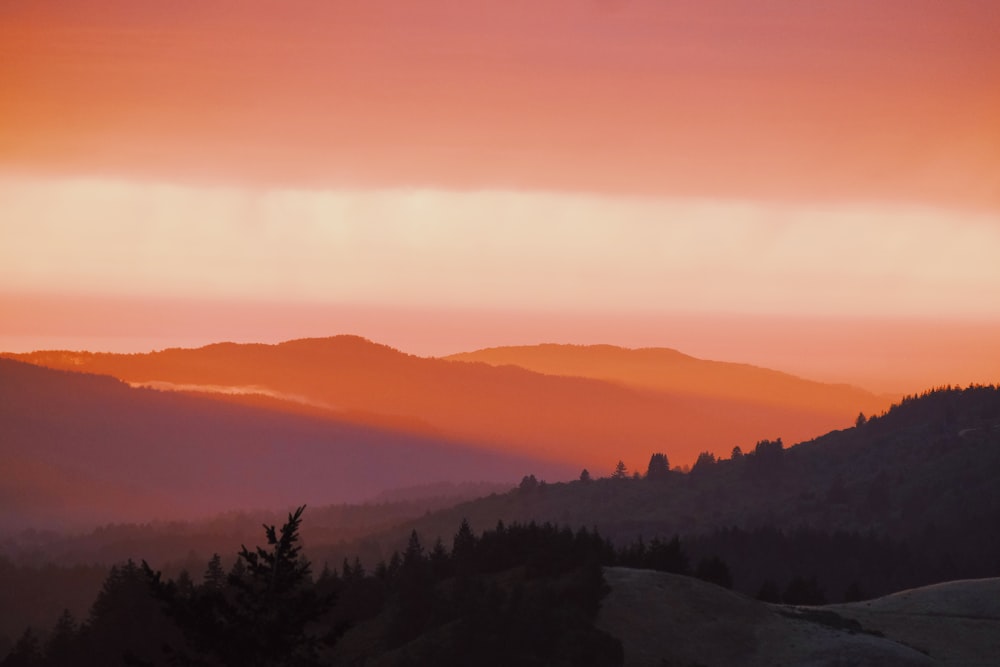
(668, 370)
(580, 421)
(79, 449)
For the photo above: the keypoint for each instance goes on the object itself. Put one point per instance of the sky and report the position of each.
(810, 186)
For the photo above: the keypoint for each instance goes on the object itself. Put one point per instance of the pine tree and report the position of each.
(27, 652)
(714, 570)
(463, 549)
(440, 561)
(214, 577)
(415, 599)
(659, 467)
(264, 618)
(60, 649)
(126, 621)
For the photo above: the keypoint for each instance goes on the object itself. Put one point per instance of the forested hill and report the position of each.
(900, 500)
(931, 460)
(923, 475)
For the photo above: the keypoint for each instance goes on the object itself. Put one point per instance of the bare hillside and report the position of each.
(664, 619)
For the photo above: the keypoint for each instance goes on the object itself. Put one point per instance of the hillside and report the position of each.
(578, 421)
(905, 499)
(668, 619)
(929, 459)
(664, 369)
(81, 449)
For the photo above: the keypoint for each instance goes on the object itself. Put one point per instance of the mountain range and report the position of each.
(573, 406)
(81, 449)
(904, 498)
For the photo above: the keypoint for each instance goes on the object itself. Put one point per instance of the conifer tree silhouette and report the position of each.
(263, 617)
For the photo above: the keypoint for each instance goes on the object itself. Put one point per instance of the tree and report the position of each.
(861, 420)
(768, 449)
(621, 472)
(659, 467)
(214, 577)
(667, 556)
(737, 453)
(714, 570)
(463, 548)
(27, 652)
(528, 484)
(126, 620)
(705, 462)
(414, 554)
(264, 617)
(585, 475)
(414, 599)
(60, 649)
(440, 560)
(767, 457)
(184, 583)
(801, 590)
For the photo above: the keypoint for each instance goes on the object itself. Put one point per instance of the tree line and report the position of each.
(518, 594)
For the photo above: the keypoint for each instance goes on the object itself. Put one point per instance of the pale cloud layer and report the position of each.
(496, 249)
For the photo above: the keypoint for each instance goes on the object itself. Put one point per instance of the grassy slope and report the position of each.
(667, 619)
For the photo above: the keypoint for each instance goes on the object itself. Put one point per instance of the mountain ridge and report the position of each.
(175, 455)
(570, 419)
(668, 369)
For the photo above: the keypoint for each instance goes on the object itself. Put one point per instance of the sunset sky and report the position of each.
(810, 186)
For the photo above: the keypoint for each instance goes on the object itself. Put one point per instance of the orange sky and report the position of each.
(784, 100)
(575, 163)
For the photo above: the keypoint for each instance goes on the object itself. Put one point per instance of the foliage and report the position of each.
(262, 616)
(705, 462)
(658, 468)
(906, 499)
(714, 570)
(528, 484)
(27, 652)
(518, 594)
(804, 590)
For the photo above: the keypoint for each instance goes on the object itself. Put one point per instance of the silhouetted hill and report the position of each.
(928, 459)
(81, 449)
(575, 420)
(919, 481)
(904, 499)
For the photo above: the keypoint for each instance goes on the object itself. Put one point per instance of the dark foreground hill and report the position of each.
(519, 594)
(666, 619)
(82, 449)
